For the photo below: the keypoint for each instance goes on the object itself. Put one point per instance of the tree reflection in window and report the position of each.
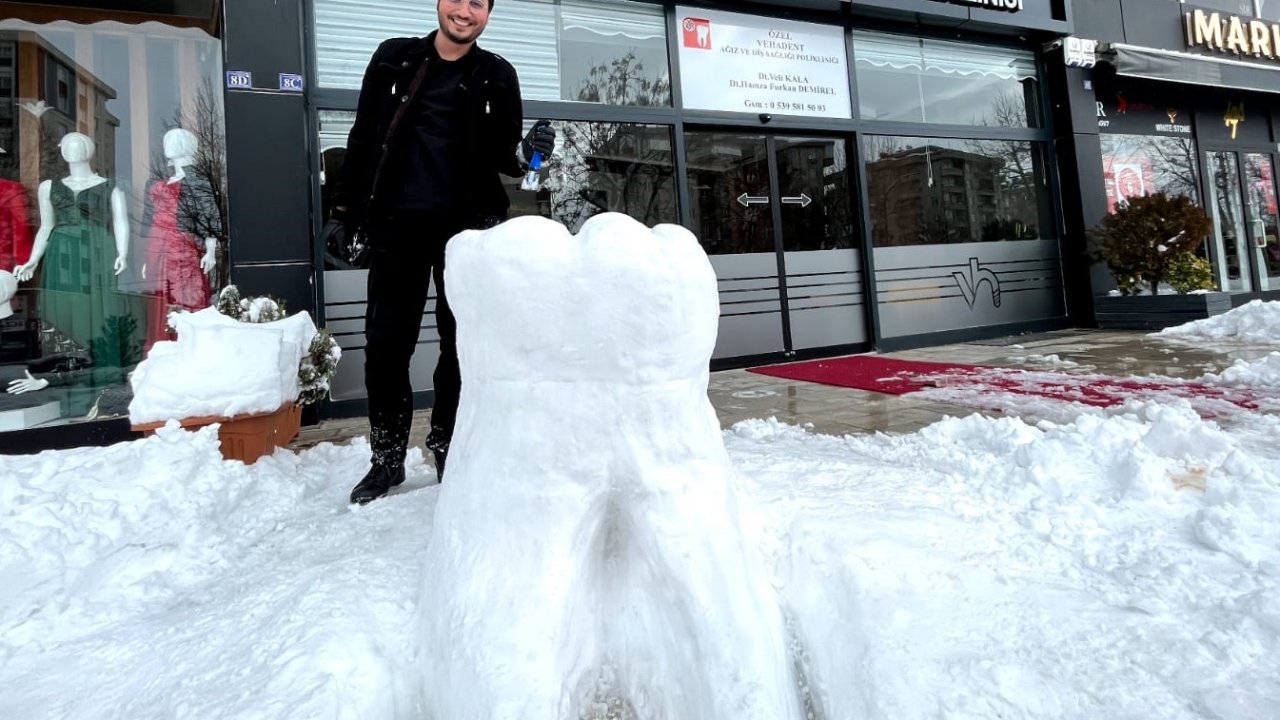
(609, 167)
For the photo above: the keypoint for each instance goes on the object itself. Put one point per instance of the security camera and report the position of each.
(765, 118)
(1053, 45)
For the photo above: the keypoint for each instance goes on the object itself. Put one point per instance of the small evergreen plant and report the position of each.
(1145, 235)
(1188, 273)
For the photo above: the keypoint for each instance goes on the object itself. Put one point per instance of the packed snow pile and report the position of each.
(1264, 372)
(1117, 566)
(589, 518)
(154, 580)
(220, 366)
(1257, 323)
(1112, 567)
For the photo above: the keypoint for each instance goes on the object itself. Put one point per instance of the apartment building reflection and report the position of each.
(931, 194)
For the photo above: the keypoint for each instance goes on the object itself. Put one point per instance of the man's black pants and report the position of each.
(406, 252)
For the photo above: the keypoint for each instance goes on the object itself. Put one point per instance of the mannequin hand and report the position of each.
(27, 384)
(24, 271)
(208, 262)
(120, 264)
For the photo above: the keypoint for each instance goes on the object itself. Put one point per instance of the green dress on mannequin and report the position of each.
(79, 295)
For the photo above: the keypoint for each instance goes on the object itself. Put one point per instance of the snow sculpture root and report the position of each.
(587, 556)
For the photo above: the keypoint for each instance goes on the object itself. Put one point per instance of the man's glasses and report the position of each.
(476, 5)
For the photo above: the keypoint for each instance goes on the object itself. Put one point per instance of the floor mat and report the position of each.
(867, 372)
(986, 387)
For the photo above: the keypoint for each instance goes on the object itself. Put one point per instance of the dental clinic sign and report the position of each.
(743, 63)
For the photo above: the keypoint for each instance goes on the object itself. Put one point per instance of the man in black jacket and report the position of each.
(438, 120)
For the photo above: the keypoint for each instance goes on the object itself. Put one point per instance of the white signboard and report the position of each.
(743, 63)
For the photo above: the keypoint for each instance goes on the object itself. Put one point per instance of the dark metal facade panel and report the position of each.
(293, 282)
(264, 37)
(1153, 23)
(268, 178)
(1101, 20)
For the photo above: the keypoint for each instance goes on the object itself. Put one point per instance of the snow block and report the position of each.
(588, 546)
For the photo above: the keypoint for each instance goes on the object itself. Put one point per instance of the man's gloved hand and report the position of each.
(350, 223)
(541, 138)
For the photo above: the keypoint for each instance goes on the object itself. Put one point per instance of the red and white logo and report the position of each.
(697, 33)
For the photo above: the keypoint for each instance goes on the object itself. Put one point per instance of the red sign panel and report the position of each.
(697, 33)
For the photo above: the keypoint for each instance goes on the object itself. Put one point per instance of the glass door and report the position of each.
(1260, 196)
(775, 215)
(1230, 227)
(821, 265)
(730, 194)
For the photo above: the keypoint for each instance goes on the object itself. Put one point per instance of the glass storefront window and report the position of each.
(927, 191)
(112, 205)
(603, 51)
(1136, 165)
(605, 167)
(596, 168)
(911, 79)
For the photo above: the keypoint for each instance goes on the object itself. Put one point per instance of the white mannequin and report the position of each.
(77, 150)
(180, 147)
(8, 287)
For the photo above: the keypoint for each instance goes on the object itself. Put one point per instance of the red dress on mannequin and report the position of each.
(173, 255)
(15, 229)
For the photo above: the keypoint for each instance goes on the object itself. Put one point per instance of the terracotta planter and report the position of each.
(246, 437)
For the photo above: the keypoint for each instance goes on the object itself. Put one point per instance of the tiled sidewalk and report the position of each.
(739, 395)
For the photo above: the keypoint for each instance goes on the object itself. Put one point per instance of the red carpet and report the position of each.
(867, 372)
(980, 386)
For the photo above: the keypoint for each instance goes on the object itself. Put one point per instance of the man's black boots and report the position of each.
(438, 444)
(378, 482)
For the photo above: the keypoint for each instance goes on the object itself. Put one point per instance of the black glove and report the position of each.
(349, 219)
(541, 138)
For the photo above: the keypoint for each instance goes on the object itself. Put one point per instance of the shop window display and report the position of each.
(1136, 165)
(929, 191)
(112, 206)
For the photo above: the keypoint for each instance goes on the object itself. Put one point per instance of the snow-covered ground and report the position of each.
(1120, 564)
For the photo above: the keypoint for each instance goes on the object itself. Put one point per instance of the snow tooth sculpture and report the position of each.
(586, 548)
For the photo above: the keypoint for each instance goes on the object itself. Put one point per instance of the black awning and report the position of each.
(1182, 67)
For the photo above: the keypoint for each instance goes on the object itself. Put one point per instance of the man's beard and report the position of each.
(460, 40)
(454, 37)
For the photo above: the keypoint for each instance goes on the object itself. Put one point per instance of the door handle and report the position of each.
(1259, 234)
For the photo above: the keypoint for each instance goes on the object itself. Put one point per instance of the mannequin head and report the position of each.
(179, 143)
(8, 286)
(77, 147)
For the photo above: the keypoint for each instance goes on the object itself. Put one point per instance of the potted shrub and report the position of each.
(1151, 245)
(244, 364)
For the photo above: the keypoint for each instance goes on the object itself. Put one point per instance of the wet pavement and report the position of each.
(740, 395)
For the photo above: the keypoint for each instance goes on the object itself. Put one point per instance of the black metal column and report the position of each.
(1078, 150)
(269, 183)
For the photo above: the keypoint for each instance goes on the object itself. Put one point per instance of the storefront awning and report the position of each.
(1183, 67)
(204, 14)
